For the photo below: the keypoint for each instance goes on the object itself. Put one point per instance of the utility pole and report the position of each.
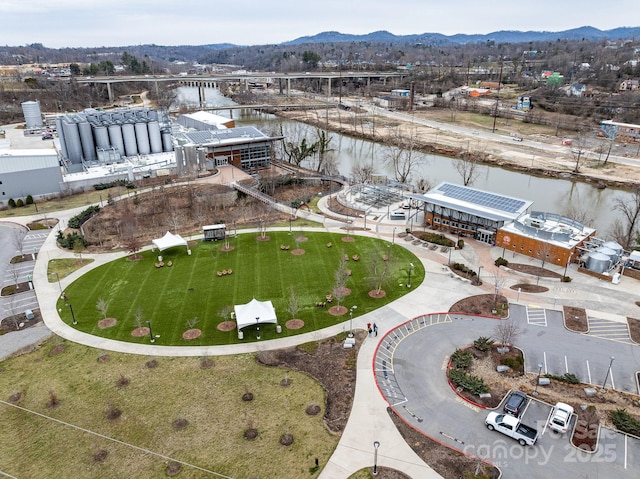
(495, 113)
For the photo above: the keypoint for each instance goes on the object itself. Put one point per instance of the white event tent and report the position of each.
(169, 241)
(254, 312)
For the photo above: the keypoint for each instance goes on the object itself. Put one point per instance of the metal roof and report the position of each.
(479, 203)
(12, 161)
(242, 134)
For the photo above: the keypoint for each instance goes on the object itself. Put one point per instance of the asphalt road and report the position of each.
(410, 366)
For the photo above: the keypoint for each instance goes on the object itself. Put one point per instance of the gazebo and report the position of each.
(169, 240)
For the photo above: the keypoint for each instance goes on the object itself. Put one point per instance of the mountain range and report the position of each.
(502, 36)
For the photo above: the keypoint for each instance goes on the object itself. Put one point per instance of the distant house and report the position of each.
(624, 132)
(628, 85)
(577, 89)
(555, 79)
(489, 84)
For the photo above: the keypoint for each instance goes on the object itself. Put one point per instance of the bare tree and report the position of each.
(543, 251)
(578, 152)
(15, 274)
(190, 323)
(579, 213)
(378, 271)
(400, 157)
(18, 237)
(225, 312)
(293, 306)
(467, 168)
(499, 282)
(630, 210)
(12, 309)
(139, 317)
(341, 275)
(506, 332)
(102, 306)
(361, 173)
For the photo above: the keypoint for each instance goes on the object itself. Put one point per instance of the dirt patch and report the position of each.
(337, 310)
(107, 323)
(191, 334)
(139, 332)
(250, 434)
(286, 439)
(179, 424)
(226, 326)
(312, 409)
(105, 358)
(348, 239)
(297, 252)
(533, 270)
(529, 288)
(206, 363)
(482, 304)
(151, 364)
(331, 365)
(263, 239)
(226, 249)
(445, 461)
(18, 396)
(294, 324)
(301, 239)
(13, 323)
(575, 319)
(57, 350)
(374, 293)
(173, 468)
(100, 456)
(135, 257)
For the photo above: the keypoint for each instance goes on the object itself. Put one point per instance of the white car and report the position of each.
(560, 417)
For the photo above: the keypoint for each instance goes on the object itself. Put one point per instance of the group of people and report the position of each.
(372, 328)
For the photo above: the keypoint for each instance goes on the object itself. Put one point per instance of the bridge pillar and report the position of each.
(201, 94)
(110, 92)
(328, 87)
(288, 85)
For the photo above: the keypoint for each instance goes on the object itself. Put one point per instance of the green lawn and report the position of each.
(171, 296)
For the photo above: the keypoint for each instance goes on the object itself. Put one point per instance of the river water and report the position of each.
(548, 194)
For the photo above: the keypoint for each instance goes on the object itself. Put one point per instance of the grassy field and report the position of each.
(35, 445)
(171, 297)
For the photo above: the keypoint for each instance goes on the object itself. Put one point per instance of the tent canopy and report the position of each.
(169, 241)
(255, 312)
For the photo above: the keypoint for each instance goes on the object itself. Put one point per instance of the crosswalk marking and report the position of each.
(536, 316)
(607, 329)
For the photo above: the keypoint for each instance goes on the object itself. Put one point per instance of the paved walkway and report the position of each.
(369, 420)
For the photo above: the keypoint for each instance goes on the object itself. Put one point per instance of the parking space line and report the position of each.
(626, 441)
(566, 365)
(544, 356)
(588, 371)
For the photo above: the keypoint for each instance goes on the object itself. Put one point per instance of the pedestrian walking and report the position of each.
(369, 331)
(375, 329)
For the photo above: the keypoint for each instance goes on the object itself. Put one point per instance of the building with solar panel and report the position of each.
(504, 221)
(469, 212)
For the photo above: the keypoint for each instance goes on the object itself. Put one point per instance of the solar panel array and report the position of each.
(481, 198)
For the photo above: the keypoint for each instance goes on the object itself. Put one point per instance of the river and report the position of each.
(548, 194)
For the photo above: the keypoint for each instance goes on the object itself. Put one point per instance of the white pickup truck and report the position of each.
(512, 427)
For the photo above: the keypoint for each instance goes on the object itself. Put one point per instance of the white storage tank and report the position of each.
(101, 135)
(63, 145)
(142, 136)
(613, 256)
(32, 114)
(598, 262)
(615, 247)
(155, 139)
(129, 135)
(88, 146)
(115, 137)
(167, 141)
(72, 140)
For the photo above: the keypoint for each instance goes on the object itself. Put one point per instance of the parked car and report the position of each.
(560, 417)
(515, 403)
(47, 136)
(517, 138)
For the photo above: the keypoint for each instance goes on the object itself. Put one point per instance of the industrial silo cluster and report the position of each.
(130, 132)
(32, 114)
(604, 257)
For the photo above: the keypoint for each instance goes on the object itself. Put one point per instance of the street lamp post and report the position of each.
(151, 338)
(351, 320)
(567, 265)
(73, 316)
(376, 445)
(535, 390)
(604, 383)
(409, 271)
(257, 327)
(479, 269)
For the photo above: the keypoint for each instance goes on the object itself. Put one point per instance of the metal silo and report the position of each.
(612, 255)
(167, 141)
(154, 137)
(63, 145)
(142, 136)
(115, 137)
(615, 247)
(129, 135)
(598, 262)
(32, 114)
(72, 140)
(101, 135)
(153, 115)
(86, 137)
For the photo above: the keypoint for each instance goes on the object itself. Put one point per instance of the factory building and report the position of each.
(28, 172)
(95, 137)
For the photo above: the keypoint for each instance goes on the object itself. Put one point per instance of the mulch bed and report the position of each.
(634, 329)
(374, 293)
(191, 334)
(263, 238)
(533, 270)
(337, 310)
(135, 257)
(348, 239)
(226, 326)
(107, 323)
(294, 324)
(226, 249)
(301, 239)
(482, 304)
(575, 319)
(297, 252)
(139, 332)
(56, 350)
(529, 288)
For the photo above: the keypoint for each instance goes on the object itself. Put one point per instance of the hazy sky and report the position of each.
(92, 23)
